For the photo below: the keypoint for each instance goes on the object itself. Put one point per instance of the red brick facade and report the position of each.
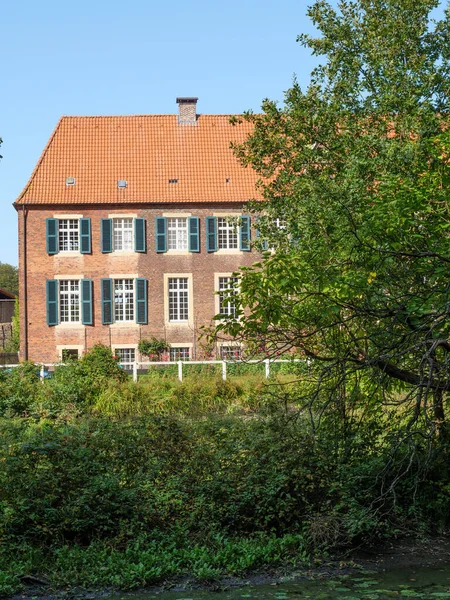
(41, 341)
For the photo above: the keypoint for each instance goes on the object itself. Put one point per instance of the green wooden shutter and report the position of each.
(106, 230)
(211, 234)
(107, 301)
(52, 236)
(141, 301)
(86, 302)
(194, 234)
(85, 236)
(161, 234)
(245, 234)
(139, 235)
(52, 302)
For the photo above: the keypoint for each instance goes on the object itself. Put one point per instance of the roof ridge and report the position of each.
(140, 116)
(41, 158)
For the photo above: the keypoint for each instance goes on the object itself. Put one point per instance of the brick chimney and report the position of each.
(187, 111)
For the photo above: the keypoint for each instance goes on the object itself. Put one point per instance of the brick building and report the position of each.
(125, 233)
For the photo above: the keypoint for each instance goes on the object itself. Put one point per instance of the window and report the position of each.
(125, 355)
(69, 301)
(227, 289)
(230, 352)
(122, 234)
(179, 353)
(124, 299)
(178, 299)
(69, 354)
(227, 234)
(68, 235)
(177, 233)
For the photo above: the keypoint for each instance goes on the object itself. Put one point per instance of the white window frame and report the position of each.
(228, 232)
(181, 346)
(167, 299)
(230, 346)
(69, 300)
(68, 234)
(123, 234)
(118, 348)
(177, 234)
(223, 283)
(124, 295)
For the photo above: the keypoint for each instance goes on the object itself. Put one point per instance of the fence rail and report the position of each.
(181, 364)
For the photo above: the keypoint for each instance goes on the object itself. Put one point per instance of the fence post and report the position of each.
(180, 370)
(135, 371)
(42, 373)
(224, 370)
(267, 361)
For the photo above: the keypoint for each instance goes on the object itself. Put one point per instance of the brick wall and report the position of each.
(43, 340)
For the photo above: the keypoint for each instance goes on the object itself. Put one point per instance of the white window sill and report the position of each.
(118, 324)
(228, 251)
(68, 253)
(72, 325)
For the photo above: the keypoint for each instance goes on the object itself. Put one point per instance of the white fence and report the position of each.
(181, 365)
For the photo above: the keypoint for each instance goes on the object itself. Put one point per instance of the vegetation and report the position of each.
(154, 348)
(107, 482)
(356, 171)
(9, 277)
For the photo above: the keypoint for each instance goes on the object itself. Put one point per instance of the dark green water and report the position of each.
(423, 583)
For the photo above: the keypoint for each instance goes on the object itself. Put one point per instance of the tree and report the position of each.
(357, 168)
(9, 278)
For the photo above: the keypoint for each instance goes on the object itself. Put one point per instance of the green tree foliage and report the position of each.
(356, 167)
(9, 278)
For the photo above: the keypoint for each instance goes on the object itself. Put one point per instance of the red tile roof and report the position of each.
(147, 151)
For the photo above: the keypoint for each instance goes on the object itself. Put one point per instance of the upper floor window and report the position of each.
(227, 234)
(68, 238)
(122, 234)
(177, 233)
(68, 235)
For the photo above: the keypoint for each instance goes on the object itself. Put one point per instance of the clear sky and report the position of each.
(105, 57)
(98, 57)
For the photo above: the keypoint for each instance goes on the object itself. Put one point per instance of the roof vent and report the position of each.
(187, 111)
(122, 183)
(70, 180)
(173, 180)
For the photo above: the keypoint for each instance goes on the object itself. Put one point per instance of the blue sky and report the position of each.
(103, 57)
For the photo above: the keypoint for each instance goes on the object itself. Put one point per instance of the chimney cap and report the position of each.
(187, 100)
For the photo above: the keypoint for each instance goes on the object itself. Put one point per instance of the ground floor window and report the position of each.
(125, 355)
(69, 301)
(124, 299)
(230, 352)
(179, 353)
(69, 354)
(178, 299)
